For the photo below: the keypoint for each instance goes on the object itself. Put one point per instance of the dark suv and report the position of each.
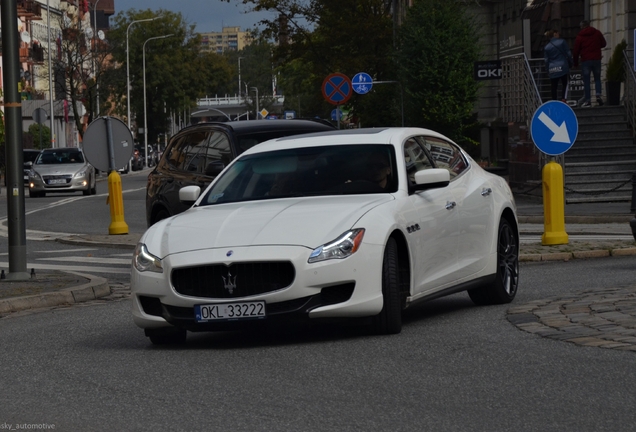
(197, 154)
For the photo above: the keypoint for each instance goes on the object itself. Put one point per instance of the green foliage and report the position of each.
(177, 72)
(438, 46)
(35, 130)
(615, 69)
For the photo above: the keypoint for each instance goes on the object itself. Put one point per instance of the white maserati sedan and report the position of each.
(355, 224)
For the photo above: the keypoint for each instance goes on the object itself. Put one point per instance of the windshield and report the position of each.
(60, 157)
(309, 171)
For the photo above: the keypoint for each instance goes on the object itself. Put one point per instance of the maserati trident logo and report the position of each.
(229, 283)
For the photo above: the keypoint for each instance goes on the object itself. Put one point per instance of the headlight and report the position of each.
(34, 174)
(345, 245)
(145, 261)
(80, 174)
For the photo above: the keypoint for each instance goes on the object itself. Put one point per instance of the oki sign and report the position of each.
(487, 70)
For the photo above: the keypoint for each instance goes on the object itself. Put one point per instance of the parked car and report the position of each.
(62, 170)
(197, 154)
(28, 157)
(347, 224)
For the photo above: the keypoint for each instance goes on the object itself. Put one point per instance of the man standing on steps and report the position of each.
(588, 46)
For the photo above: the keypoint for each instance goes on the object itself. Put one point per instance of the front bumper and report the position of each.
(70, 184)
(334, 289)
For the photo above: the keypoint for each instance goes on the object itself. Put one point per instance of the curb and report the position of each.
(539, 219)
(97, 287)
(566, 256)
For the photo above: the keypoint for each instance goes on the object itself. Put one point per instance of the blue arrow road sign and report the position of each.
(554, 128)
(336, 114)
(362, 83)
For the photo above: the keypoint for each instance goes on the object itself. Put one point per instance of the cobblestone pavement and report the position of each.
(603, 318)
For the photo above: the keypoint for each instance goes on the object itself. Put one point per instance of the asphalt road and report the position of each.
(455, 367)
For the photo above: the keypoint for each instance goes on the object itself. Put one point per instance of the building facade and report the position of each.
(228, 39)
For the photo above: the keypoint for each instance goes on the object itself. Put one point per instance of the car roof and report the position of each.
(248, 126)
(62, 149)
(348, 136)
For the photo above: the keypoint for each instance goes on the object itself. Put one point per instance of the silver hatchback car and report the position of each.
(62, 170)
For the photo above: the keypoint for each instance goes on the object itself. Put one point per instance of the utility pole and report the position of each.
(13, 138)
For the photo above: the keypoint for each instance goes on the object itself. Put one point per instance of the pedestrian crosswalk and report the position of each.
(88, 260)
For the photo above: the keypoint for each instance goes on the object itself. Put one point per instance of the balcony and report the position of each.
(29, 9)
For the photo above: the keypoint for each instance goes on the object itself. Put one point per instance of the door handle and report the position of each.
(486, 191)
(450, 205)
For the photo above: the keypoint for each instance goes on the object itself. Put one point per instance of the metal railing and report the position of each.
(629, 96)
(521, 96)
(519, 92)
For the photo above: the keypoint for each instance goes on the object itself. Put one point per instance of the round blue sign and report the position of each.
(362, 83)
(554, 128)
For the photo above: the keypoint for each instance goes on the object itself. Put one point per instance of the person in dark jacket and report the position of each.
(558, 59)
(588, 45)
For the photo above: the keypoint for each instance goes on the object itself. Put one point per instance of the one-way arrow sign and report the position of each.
(554, 128)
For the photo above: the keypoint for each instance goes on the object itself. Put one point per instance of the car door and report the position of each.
(184, 165)
(472, 193)
(433, 230)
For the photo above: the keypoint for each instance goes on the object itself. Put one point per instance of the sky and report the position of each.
(207, 15)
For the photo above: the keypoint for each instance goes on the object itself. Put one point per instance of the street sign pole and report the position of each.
(554, 129)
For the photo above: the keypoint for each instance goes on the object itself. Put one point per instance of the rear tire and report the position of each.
(504, 288)
(167, 336)
(389, 320)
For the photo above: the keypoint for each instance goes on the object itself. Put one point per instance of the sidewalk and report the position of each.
(50, 288)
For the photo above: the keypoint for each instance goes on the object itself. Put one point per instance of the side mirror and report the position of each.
(214, 168)
(430, 179)
(189, 194)
(28, 164)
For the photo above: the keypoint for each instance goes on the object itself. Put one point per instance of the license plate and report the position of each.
(57, 181)
(229, 311)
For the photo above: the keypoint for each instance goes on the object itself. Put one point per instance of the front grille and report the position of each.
(238, 280)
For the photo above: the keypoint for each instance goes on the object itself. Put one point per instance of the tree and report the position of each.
(40, 134)
(319, 37)
(78, 66)
(177, 72)
(438, 44)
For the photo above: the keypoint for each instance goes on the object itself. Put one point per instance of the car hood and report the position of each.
(307, 222)
(59, 169)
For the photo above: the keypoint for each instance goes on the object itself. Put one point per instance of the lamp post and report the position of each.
(128, 64)
(239, 74)
(51, 94)
(145, 115)
(95, 41)
(258, 111)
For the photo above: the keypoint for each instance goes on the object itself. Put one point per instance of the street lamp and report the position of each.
(51, 89)
(128, 64)
(258, 111)
(145, 115)
(239, 73)
(94, 36)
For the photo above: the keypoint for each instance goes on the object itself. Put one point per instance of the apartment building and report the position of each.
(228, 39)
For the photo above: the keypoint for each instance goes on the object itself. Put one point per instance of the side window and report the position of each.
(218, 154)
(415, 158)
(447, 155)
(188, 154)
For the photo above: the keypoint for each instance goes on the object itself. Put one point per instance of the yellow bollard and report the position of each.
(116, 202)
(553, 205)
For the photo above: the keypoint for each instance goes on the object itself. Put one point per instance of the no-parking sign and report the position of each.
(336, 88)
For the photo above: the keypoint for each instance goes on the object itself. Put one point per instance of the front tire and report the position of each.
(389, 320)
(504, 288)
